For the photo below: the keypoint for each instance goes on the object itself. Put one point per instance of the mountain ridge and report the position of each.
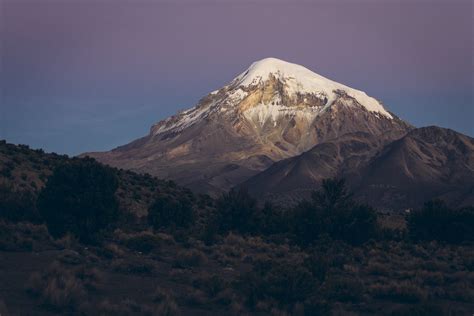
(426, 163)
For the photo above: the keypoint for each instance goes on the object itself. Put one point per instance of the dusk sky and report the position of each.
(88, 75)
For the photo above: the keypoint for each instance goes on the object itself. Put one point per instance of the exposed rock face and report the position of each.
(272, 111)
(426, 163)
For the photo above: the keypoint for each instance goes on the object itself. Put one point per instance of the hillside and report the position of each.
(26, 170)
(426, 163)
(328, 255)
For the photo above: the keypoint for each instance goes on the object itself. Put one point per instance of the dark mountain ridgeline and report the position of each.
(427, 163)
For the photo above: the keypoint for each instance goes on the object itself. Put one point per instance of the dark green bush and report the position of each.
(421, 309)
(7, 169)
(211, 284)
(332, 212)
(343, 289)
(170, 211)
(143, 242)
(284, 281)
(17, 206)
(190, 258)
(236, 212)
(79, 197)
(270, 220)
(437, 221)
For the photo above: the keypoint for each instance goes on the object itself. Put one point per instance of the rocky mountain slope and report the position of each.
(426, 163)
(272, 111)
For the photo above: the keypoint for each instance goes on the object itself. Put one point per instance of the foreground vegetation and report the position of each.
(93, 240)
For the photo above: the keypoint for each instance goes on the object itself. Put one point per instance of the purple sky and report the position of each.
(90, 75)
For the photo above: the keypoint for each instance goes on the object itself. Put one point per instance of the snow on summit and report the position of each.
(300, 93)
(299, 79)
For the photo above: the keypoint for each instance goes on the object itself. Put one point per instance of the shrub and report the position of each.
(343, 289)
(144, 242)
(405, 291)
(3, 308)
(161, 294)
(190, 258)
(17, 206)
(133, 266)
(436, 221)
(24, 237)
(62, 289)
(130, 307)
(167, 308)
(270, 220)
(235, 212)
(168, 211)
(318, 265)
(204, 200)
(332, 212)
(211, 284)
(7, 169)
(195, 297)
(377, 268)
(79, 197)
(421, 309)
(284, 281)
(316, 305)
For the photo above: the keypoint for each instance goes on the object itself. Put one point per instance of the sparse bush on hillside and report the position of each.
(79, 197)
(24, 236)
(63, 288)
(17, 206)
(436, 221)
(170, 211)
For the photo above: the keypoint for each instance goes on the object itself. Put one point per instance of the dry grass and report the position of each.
(59, 288)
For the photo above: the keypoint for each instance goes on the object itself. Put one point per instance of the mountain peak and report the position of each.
(261, 69)
(271, 65)
(272, 111)
(298, 79)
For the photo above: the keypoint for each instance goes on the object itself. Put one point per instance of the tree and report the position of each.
(333, 195)
(168, 211)
(333, 212)
(235, 212)
(270, 220)
(437, 221)
(79, 197)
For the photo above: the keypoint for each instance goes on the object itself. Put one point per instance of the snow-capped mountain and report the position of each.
(271, 111)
